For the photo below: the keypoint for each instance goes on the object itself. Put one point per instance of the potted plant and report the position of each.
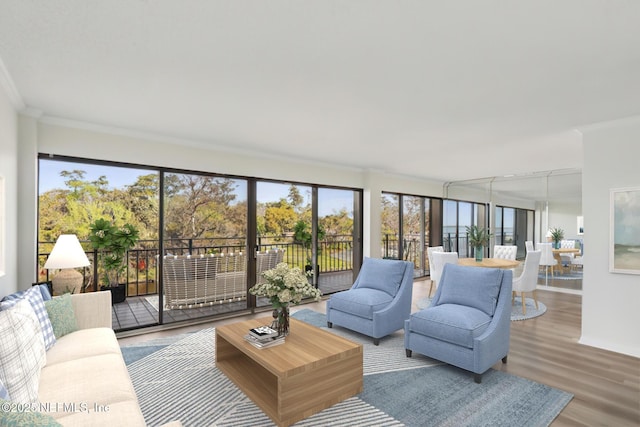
(114, 243)
(556, 234)
(478, 237)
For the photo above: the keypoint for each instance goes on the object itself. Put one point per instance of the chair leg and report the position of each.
(535, 298)
(430, 287)
(524, 305)
(477, 378)
(408, 352)
(329, 325)
(376, 341)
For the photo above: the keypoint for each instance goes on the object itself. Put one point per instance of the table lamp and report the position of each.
(67, 254)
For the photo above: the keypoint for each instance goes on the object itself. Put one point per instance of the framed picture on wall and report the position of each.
(624, 251)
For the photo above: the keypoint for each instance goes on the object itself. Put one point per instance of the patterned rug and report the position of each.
(176, 379)
(569, 275)
(516, 308)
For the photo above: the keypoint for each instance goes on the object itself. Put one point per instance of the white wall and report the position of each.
(8, 170)
(565, 216)
(610, 313)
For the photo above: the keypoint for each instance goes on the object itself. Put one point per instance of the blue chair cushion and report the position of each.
(471, 286)
(361, 302)
(456, 324)
(382, 274)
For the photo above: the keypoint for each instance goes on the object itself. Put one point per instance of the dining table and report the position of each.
(564, 251)
(489, 262)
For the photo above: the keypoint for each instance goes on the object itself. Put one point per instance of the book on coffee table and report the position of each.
(264, 342)
(263, 332)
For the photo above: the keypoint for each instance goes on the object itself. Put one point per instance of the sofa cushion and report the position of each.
(22, 352)
(83, 343)
(382, 274)
(25, 418)
(361, 302)
(95, 380)
(471, 286)
(63, 319)
(456, 324)
(34, 296)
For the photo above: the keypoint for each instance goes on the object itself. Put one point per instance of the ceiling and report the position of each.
(447, 90)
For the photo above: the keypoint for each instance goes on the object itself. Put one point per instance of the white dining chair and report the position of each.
(430, 251)
(528, 280)
(528, 246)
(547, 260)
(439, 261)
(505, 252)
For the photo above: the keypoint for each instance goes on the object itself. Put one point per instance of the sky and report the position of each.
(331, 200)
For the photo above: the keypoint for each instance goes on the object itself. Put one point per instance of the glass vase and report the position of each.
(281, 320)
(478, 253)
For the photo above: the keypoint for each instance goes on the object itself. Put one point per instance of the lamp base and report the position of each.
(66, 281)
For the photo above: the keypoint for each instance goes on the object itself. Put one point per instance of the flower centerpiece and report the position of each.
(284, 285)
(478, 237)
(556, 234)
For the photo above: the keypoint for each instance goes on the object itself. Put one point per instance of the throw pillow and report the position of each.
(23, 418)
(34, 296)
(471, 286)
(44, 290)
(382, 274)
(61, 314)
(22, 353)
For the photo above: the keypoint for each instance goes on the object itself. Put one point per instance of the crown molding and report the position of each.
(7, 83)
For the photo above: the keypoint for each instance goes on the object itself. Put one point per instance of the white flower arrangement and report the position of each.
(285, 285)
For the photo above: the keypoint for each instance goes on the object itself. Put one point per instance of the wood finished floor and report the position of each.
(605, 385)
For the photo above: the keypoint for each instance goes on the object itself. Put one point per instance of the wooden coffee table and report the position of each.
(313, 370)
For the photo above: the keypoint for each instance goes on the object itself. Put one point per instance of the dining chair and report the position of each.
(547, 260)
(528, 280)
(430, 251)
(505, 252)
(439, 261)
(528, 245)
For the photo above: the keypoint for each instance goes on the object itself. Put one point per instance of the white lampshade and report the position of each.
(67, 253)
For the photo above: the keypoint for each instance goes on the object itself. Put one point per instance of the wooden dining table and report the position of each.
(563, 251)
(489, 262)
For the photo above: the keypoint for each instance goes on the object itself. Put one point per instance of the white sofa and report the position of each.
(85, 380)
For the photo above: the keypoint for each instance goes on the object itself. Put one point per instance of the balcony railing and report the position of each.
(335, 254)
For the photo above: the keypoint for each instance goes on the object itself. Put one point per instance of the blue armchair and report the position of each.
(379, 301)
(468, 323)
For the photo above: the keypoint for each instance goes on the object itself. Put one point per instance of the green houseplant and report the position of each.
(114, 242)
(478, 237)
(557, 234)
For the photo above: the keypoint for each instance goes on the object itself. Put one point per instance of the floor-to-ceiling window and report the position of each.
(72, 195)
(514, 226)
(406, 225)
(457, 216)
(226, 221)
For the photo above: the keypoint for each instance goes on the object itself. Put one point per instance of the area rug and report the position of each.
(516, 308)
(178, 380)
(571, 275)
